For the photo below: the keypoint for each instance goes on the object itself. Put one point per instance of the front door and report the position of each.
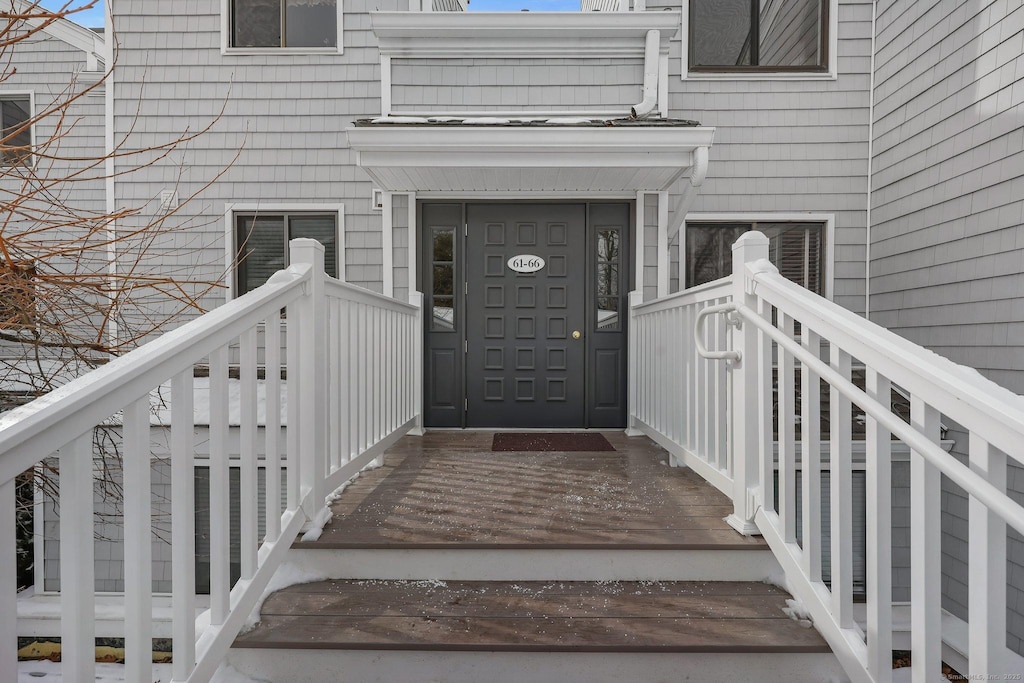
(525, 323)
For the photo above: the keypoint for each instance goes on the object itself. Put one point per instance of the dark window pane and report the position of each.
(789, 32)
(443, 317)
(608, 313)
(720, 33)
(261, 250)
(256, 23)
(797, 249)
(322, 228)
(17, 144)
(709, 251)
(311, 23)
(608, 245)
(443, 241)
(607, 279)
(444, 284)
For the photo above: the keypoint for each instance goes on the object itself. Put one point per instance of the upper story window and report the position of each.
(16, 133)
(284, 23)
(759, 35)
(262, 243)
(796, 248)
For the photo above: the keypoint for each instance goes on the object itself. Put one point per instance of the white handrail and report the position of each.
(698, 330)
(349, 354)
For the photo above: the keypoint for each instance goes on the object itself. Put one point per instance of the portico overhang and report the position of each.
(500, 157)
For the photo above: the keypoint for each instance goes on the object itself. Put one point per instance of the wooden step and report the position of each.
(528, 616)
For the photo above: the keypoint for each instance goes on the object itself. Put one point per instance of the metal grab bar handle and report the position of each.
(728, 356)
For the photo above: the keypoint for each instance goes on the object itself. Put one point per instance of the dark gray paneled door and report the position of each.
(509, 349)
(525, 359)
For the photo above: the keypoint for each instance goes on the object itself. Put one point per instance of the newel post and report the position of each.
(743, 413)
(310, 386)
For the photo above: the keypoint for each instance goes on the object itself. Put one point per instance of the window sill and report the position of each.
(290, 51)
(755, 76)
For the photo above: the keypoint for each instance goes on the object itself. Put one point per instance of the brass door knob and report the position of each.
(576, 334)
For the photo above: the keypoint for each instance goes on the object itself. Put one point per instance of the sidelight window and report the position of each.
(758, 35)
(796, 248)
(442, 283)
(284, 23)
(608, 271)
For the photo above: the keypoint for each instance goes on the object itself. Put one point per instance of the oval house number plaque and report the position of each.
(526, 263)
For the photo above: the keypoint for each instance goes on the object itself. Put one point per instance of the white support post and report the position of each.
(750, 247)
(788, 491)
(272, 433)
(311, 393)
(8, 578)
(987, 568)
(138, 543)
(183, 535)
(77, 572)
(638, 248)
(416, 299)
(925, 551)
(663, 254)
(387, 228)
(635, 299)
(878, 488)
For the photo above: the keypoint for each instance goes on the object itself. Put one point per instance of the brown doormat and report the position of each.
(550, 441)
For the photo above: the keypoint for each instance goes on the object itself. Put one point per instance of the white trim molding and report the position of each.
(830, 75)
(829, 219)
(230, 248)
(564, 160)
(227, 49)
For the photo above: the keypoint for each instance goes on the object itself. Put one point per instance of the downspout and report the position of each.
(650, 92)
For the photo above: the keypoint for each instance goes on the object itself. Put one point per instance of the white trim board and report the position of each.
(274, 207)
(17, 94)
(830, 75)
(829, 219)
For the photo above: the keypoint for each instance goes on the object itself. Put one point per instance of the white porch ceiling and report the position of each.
(495, 159)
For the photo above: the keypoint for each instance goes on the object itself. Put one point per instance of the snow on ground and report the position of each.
(45, 671)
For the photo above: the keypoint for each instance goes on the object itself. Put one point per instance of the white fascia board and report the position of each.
(534, 34)
(449, 142)
(65, 30)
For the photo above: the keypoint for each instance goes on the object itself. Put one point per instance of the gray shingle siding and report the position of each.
(947, 236)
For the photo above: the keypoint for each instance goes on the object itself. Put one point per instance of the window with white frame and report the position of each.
(15, 129)
(262, 238)
(796, 248)
(284, 23)
(758, 35)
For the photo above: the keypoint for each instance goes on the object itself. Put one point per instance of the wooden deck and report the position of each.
(447, 489)
(448, 493)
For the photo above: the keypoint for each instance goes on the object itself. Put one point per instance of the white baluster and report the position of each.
(292, 430)
(787, 436)
(183, 528)
(8, 578)
(249, 528)
(878, 485)
(364, 384)
(77, 571)
(334, 384)
(272, 434)
(987, 568)
(220, 509)
(925, 551)
(766, 410)
(810, 456)
(352, 380)
(138, 543)
(344, 381)
(841, 498)
(704, 403)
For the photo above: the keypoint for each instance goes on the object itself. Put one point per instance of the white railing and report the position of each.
(680, 399)
(347, 386)
(786, 342)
